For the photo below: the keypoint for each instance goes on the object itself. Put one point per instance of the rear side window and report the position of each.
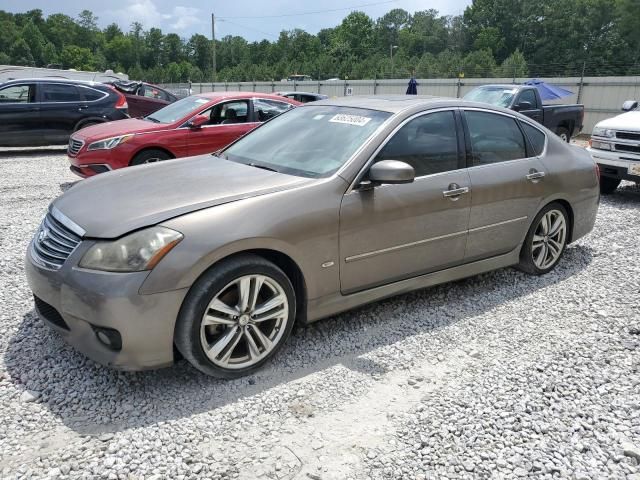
(54, 92)
(494, 138)
(535, 136)
(428, 143)
(91, 95)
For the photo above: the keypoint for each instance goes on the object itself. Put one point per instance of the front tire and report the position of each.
(236, 317)
(546, 240)
(608, 185)
(150, 156)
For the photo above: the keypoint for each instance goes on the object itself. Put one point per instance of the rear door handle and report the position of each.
(83, 107)
(535, 175)
(455, 191)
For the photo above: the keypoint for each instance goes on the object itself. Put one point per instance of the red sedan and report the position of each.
(194, 125)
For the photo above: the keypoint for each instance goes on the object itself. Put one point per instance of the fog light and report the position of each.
(109, 337)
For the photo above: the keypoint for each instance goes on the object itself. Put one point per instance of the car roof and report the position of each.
(292, 92)
(502, 85)
(242, 96)
(408, 103)
(388, 103)
(53, 80)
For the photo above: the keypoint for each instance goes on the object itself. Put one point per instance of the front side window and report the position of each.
(494, 138)
(229, 113)
(428, 143)
(535, 136)
(17, 94)
(60, 92)
(267, 109)
(310, 141)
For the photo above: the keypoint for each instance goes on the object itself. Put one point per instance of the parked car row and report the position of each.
(195, 125)
(322, 208)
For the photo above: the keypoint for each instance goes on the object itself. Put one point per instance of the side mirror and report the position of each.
(524, 105)
(392, 172)
(629, 105)
(198, 121)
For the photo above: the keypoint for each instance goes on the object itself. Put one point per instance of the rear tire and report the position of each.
(546, 240)
(608, 185)
(236, 317)
(564, 134)
(150, 156)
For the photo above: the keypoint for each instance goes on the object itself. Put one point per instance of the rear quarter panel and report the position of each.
(571, 176)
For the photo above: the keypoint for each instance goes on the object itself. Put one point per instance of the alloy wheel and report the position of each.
(244, 322)
(549, 239)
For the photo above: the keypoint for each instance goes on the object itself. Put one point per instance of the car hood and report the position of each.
(627, 121)
(119, 127)
(114, 203)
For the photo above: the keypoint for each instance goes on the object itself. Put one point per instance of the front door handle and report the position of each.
(535, 175)
(455, 191)
(83, 107)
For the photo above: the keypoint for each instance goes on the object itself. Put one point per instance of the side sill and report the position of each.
(332, 304)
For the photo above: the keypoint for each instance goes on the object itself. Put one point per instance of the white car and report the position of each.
(615, 146)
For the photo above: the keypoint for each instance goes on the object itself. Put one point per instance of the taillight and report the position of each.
(121, 102)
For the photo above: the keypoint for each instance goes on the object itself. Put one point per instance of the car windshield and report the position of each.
(307, 141)
(498, 96)
(178, 110)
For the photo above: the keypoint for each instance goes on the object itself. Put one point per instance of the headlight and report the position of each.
(603, 132)
(109, 143)
(134, 253)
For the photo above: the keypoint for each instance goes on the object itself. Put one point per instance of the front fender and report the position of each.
(299, 223)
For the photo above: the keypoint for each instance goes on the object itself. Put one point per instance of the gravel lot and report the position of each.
(498, 376)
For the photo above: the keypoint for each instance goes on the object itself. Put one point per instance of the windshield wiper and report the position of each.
(154, 120)
(264, 167)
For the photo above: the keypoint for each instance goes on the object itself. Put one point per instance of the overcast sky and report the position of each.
(194, 16)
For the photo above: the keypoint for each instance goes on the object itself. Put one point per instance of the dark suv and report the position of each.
(47, 111)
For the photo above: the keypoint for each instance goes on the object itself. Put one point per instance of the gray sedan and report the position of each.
(326, 207)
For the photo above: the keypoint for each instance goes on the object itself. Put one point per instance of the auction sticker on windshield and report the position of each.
(351, 119)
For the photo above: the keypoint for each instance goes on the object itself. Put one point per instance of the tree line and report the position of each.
(502, 38)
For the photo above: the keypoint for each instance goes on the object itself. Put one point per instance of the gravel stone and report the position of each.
(512, 375)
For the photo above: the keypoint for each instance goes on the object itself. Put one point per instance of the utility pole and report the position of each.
(213, 38)
(391, 48)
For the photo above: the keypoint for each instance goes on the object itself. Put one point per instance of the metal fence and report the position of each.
(601, 96)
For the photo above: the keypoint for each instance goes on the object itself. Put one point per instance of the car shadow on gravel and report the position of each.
(92, 399)
(32, 151)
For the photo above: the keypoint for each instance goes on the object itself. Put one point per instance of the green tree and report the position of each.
(35, 40)
(21, 53)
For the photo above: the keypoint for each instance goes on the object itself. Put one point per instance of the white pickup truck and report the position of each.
(615, 146)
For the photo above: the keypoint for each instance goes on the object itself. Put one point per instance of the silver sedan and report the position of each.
(324, 208)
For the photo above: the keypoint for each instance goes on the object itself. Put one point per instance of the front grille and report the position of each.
(628, 135)
(49, 313)
(627, 148)
(53, 243)
(75, 145)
